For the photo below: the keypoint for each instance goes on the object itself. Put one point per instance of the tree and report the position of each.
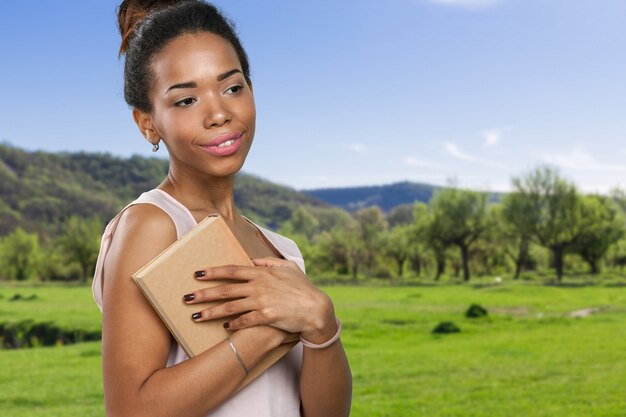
(351, 239)
(371, 224)
(425, 235)
(617, 255)
(458, 218)
(488, 253)
(514, 225)
(330, 253)
(605, 227)
(400, 215)
(618, 195)
(301, 222)
(330, 217)
(342, 248)
(81, 242)
(420, 240)
(554, 209)
(396, 245)
(21, 255)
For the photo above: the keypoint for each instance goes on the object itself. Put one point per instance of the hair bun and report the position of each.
(131, 12)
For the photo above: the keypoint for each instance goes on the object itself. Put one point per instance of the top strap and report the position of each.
(180, 215)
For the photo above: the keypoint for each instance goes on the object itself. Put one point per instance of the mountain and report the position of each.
(40, 190)
(385, 196)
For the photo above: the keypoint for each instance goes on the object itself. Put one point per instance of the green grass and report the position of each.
(52, 381)
(528, 358)
(71, 307)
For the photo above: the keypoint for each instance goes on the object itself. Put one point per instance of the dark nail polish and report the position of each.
(196, 316)
(189, 297)
(226, 325)
(199, 274)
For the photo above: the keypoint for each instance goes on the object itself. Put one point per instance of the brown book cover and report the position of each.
(166, 278)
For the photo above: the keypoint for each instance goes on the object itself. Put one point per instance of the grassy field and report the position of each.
(528, 358)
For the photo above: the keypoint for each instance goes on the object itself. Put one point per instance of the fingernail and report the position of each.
(199, 274)
(196, 316)
(226, 325)
(189, 297)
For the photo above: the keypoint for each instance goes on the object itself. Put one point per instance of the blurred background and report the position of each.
(452, 171)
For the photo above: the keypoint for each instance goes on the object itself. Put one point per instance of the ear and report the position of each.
(144, 123)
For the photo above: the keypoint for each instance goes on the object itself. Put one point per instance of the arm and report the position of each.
(136, 343)
(276, 292)
(326, 380)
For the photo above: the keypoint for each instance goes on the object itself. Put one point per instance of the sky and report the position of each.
(356, 92)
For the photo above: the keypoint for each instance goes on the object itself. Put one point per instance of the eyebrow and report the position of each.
(228, 74)
(193, 84)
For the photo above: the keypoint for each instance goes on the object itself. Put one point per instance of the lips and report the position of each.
(224, 145)
(223, 138)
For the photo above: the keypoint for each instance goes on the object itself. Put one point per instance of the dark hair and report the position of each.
(147, 26)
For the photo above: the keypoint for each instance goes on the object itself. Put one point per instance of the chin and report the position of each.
(227, 169)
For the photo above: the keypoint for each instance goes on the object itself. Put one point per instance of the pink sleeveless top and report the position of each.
(276, 392)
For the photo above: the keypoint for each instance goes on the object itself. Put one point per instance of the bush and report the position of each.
(446, 327)
(20, 297)
(27, 333)
(382, 272)
(476, 311)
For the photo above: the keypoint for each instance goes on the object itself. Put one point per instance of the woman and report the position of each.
(187, 80)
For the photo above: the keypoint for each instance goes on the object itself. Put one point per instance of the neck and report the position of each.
(205, 195)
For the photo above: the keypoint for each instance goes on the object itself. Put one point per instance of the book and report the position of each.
(166, 278)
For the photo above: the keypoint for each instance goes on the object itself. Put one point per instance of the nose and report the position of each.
(216, 114)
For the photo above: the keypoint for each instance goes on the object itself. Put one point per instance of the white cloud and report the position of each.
(416, 162)
(356, 147)
(579, 159)
(457, 153)
(469, 4)
(454, 150)
(494, 136)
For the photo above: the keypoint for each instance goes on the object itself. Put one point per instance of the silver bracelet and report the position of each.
(325, 344)
(232, 345)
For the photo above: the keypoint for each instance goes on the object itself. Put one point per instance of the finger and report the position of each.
(219, 292)
(238, 272)
(269, 261)
(226, 309)
(292, 337)
(251, 319)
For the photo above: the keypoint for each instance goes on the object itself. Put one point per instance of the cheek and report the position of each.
(249, 113)
(173, 125)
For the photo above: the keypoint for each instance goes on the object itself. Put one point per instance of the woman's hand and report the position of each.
(276, 335)
(274, 292)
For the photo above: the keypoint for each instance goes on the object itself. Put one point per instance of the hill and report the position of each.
(384, 196)
(40, 190)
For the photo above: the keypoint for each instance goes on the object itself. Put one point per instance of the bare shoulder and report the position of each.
(146, 220)
(143, 231)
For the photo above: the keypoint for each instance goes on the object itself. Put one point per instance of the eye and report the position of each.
(185, 102)
(234, 89)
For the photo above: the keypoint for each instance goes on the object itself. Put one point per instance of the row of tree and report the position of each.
(539, 225)
(544, 211)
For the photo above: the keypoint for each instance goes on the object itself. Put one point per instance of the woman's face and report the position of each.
(199, 97)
